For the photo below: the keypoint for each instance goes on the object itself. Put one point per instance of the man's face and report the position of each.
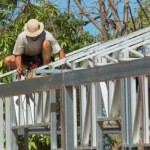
(34, 38)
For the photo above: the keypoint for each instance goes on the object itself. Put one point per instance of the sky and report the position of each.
(62, 4)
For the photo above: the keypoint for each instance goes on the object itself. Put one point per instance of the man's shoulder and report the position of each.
(47, 32)
(22, 35)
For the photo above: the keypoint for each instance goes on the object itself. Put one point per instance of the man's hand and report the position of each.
(27, 73)
(19, 70)
(22, 71)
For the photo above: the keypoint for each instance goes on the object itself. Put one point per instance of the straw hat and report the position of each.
(33, 28)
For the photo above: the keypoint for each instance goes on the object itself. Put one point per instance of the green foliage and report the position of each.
(35, 142)
(141, 17)
(108, 142)
(68, 33)
(43, 142)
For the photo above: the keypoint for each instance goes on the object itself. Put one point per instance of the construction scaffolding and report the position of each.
(104, 91)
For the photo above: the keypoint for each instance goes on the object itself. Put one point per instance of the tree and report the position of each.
(142, 18)
(112, 16)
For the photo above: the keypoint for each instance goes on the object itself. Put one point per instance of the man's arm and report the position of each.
(18, 62)
(61, 54)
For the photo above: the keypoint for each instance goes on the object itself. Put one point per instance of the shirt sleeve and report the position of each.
(55, 46)
(19, 46)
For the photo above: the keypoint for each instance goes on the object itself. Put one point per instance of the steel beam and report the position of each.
(1, 125)
(95, 74)
(53, 127)
(11, 135)
(67, 110)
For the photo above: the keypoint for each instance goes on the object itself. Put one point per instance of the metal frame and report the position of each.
(111, 91)
(70, 80)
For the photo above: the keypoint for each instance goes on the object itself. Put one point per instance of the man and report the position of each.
(34, 47)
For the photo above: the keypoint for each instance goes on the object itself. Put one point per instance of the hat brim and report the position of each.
(34, 34)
